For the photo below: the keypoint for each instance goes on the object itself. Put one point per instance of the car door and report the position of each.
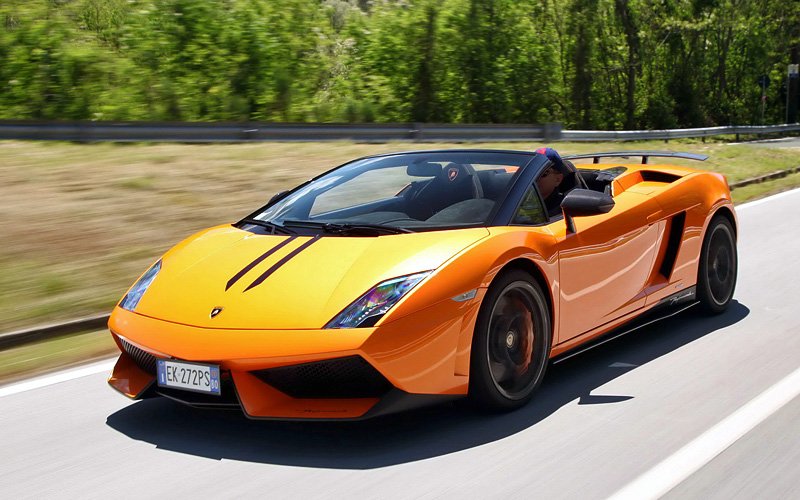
(604, 266)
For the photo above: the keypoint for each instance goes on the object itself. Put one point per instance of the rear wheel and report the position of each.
(511, 344)
(716, 274)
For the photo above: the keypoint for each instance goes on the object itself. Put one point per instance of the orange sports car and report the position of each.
(404, 279)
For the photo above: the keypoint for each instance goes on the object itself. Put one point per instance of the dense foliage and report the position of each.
(605, 64)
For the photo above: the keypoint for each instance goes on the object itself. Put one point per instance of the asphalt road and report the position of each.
(600, 421)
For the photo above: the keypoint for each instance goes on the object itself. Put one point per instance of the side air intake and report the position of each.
(340, 378)
(673, 244)
(653, 176)
(144, 360)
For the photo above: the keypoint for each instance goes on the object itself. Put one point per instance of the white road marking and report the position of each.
(99, 367)
(680, 465)
(768, 198)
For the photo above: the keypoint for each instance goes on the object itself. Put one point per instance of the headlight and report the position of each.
(368, 309)
(134, 295)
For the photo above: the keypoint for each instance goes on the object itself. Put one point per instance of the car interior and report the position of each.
(453, 193)
(435, 194)
(600, 180)
(445, 194)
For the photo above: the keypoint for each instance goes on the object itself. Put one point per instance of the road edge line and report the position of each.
(58, 377)
(679, 466)
(766, 199)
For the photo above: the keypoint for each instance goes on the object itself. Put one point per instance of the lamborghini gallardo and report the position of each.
(400, 280)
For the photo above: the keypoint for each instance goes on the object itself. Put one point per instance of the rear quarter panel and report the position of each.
(701, 195)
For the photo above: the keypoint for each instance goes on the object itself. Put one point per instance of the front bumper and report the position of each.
(307, 374)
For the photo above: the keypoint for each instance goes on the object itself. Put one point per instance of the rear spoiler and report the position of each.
(644, 154)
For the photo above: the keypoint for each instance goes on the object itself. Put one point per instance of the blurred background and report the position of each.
(79, 222)
(591, 64)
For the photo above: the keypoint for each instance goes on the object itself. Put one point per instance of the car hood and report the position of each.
(285, 282)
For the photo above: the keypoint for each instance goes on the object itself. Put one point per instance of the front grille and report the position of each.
(340, 378)
(144, 360)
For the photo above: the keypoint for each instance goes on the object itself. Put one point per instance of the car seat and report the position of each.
(453, 184)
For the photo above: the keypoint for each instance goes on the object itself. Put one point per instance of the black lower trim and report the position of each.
(666, 307)
(395, 401)
(226, 399)
(398, 401)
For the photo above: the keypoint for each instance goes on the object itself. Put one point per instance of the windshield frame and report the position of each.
(500, 215)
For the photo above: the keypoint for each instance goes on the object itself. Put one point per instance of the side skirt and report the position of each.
(666, 307)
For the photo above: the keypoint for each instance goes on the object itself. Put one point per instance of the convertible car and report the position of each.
(405, 279)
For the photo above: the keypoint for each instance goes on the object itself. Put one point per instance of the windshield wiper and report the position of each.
(346, 228)
(274, 228)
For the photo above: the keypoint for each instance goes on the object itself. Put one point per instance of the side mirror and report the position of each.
(278, 196)
(582, 202)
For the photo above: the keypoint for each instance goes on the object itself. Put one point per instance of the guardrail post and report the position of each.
(84, 132)
(248, 134)
(552, 131)
(415, 132)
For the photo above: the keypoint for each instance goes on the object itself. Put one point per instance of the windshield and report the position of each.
(414, 191)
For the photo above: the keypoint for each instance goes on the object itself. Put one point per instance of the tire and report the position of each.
(511, 343)
(717, 271)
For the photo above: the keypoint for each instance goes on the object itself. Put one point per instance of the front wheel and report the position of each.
(511, 344)
(716, 274)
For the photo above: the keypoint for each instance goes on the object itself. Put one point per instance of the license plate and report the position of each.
(189, 376)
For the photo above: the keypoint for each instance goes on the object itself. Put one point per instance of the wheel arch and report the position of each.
(727, 212)
(708, 303)
(533, 269)
(482, 390)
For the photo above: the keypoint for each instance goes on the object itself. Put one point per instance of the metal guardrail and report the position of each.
(202, 132)
(210, 132)
(47, 332)
(680, 133)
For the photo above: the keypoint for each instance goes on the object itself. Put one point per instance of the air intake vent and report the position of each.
(653, 176)
(144, 360)
(340, 378)
(673, 244)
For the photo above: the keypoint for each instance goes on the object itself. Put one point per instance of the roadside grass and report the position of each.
(54, 354)
(763, 189)
(79, 223)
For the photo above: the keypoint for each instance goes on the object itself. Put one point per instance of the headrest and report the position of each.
(454, 172)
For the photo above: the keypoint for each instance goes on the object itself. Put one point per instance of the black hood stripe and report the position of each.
(281, 262)
(258, 261)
